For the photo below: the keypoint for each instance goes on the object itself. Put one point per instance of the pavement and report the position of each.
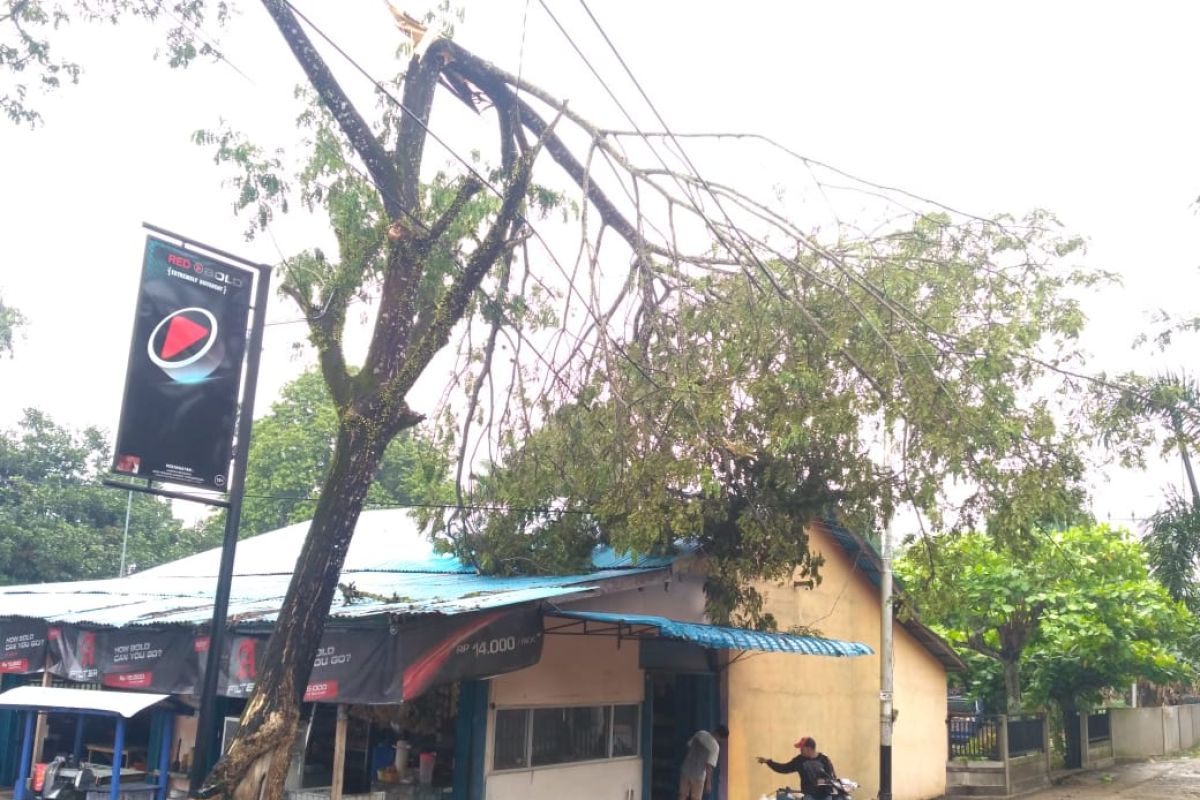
(1172, 777)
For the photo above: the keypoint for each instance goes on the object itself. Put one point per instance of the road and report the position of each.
(1177, 777)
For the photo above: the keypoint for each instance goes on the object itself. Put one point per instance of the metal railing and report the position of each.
(974, 737)
(1099, 727)
(1026, 734)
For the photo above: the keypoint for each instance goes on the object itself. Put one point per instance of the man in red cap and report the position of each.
(816, 771)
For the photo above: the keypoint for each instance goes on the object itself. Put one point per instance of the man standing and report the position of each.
(696, 775)
(817, 777)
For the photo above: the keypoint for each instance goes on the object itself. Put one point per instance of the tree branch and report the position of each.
(383, 173)
(498, 239)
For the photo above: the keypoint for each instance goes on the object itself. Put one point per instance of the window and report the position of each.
(626, 726)
(539, 737)
(512, 737)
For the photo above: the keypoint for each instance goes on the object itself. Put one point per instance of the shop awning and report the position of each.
(52, 698)
(636, 626)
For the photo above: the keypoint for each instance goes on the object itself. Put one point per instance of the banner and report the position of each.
(239, 663)
(72, 653)
(359, 666)
(135, 658)
(185, 367)
(442, 650)
(356, 666)
(24, 646)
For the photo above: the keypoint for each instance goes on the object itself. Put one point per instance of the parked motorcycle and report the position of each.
(842, 790)
(66, 780)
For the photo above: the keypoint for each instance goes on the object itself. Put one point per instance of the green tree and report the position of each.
(291, 452)
(1172, 543)
(1066, 614)
(30, 59)
(1130, 421)
(953, 321)
(744, 409)
(10, 321)
(1117, 625)
(58, 524)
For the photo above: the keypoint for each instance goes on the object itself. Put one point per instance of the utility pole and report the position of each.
(125, 538)
(885, 644)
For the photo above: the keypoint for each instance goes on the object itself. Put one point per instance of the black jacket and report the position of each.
(811, 772)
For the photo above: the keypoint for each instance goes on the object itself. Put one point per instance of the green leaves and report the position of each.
(10, 321)
(1072, 611)
(57, 523)
(257, 175)
(29, 58)
(744, 409)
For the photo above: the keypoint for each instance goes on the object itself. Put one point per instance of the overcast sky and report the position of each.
(1087, 109)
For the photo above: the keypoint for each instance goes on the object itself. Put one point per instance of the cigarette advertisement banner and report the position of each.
(24, 646)
(442, 650)
(185, 367)
(158, 661)
(359, 666)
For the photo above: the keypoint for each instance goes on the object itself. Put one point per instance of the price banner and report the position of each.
(468, 646)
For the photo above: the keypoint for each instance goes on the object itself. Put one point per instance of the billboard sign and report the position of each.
(185, 368)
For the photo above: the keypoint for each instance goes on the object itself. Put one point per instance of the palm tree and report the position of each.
(1173, 534)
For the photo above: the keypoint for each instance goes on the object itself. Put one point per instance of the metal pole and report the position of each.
(125, 538)
(207, 719)
(26, 753)
(118, 760)
(885, 648)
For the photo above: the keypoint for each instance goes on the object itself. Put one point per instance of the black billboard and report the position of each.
(24, 646)
(152, 660)
(185, 367)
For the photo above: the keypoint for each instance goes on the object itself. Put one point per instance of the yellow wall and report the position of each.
(774, 699)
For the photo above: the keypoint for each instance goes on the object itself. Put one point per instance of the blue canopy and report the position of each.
(714, 636)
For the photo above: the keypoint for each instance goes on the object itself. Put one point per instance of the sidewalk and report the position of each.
(1171, 777)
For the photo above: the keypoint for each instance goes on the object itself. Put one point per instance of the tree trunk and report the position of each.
(1177, 424)
(1012, 686)
(256, 764)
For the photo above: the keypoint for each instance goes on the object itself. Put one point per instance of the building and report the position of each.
(527, 687)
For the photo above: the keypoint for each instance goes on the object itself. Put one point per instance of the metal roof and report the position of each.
(391, 568)
(122, 704)
(718, 637)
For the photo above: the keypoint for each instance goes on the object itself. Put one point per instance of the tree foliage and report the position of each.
(1172, 543)
(31, 61)
(10, 320)
(1069, 613)
(744, 408)
(58, 524)
(1147, 409)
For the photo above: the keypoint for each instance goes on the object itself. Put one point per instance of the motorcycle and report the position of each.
(842, 790)
(66, 780)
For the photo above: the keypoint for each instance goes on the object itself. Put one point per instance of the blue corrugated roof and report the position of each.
(391, 564)
(722, 638)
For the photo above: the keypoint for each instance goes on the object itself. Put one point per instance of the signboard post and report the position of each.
(181, 421)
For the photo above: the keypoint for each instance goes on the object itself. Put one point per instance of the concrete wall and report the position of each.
(1155, 731)
(1026, 773)
(774, 699)
(1137, 732)
(976, 778)
(1187, 727)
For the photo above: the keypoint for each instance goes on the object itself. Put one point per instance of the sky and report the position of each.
(1083, 108)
